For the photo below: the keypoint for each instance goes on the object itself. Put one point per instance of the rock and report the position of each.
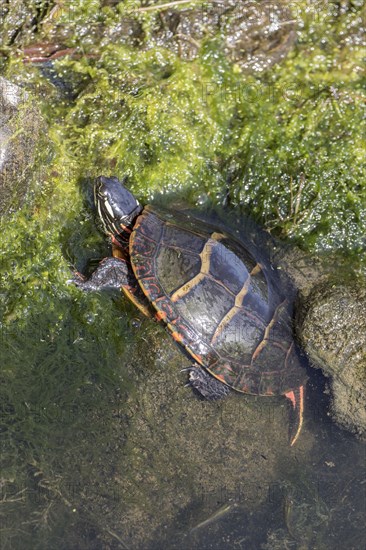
(253, 36)
(332, 330)
(20, 126)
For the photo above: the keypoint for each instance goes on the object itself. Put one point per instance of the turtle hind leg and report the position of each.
(205, 384)
(297, 401)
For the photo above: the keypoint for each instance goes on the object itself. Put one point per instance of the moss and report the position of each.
(287, 145)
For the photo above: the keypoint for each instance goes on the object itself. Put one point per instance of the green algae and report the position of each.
(286, 145)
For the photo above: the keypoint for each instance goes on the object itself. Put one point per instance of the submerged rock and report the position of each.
(20, 127)
(332, 329)
(253, 36)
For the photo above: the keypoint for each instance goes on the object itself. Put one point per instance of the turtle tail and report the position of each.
(297, 401)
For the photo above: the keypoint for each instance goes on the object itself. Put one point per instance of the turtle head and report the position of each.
(117, 207)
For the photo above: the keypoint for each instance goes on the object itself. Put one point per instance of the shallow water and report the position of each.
(103, 446)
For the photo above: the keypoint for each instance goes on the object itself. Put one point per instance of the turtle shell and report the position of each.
(217, 301)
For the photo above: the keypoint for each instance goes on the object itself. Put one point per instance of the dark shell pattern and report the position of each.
(217, 302)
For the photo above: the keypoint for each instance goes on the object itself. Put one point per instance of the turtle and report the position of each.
(217, 299)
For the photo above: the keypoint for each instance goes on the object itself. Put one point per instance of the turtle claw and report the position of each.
(77, 279)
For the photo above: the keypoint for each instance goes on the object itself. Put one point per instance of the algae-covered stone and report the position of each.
(20, 126)
(332, 328)
(254, 36)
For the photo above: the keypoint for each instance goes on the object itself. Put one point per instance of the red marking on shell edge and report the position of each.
(144, 270)
(177, 337)
(151, 288)
(160, 315)
(291, 396)
(163, 305)
(146, 248)
(195, 356)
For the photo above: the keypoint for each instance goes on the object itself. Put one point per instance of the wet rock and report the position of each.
(20, 126)
(257, 35)
(252, 35)
(323, 502)
(332, 329)
(304, 270)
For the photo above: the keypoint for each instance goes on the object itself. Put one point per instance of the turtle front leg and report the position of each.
(112, 273)
(205, 384)
(115, 274)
